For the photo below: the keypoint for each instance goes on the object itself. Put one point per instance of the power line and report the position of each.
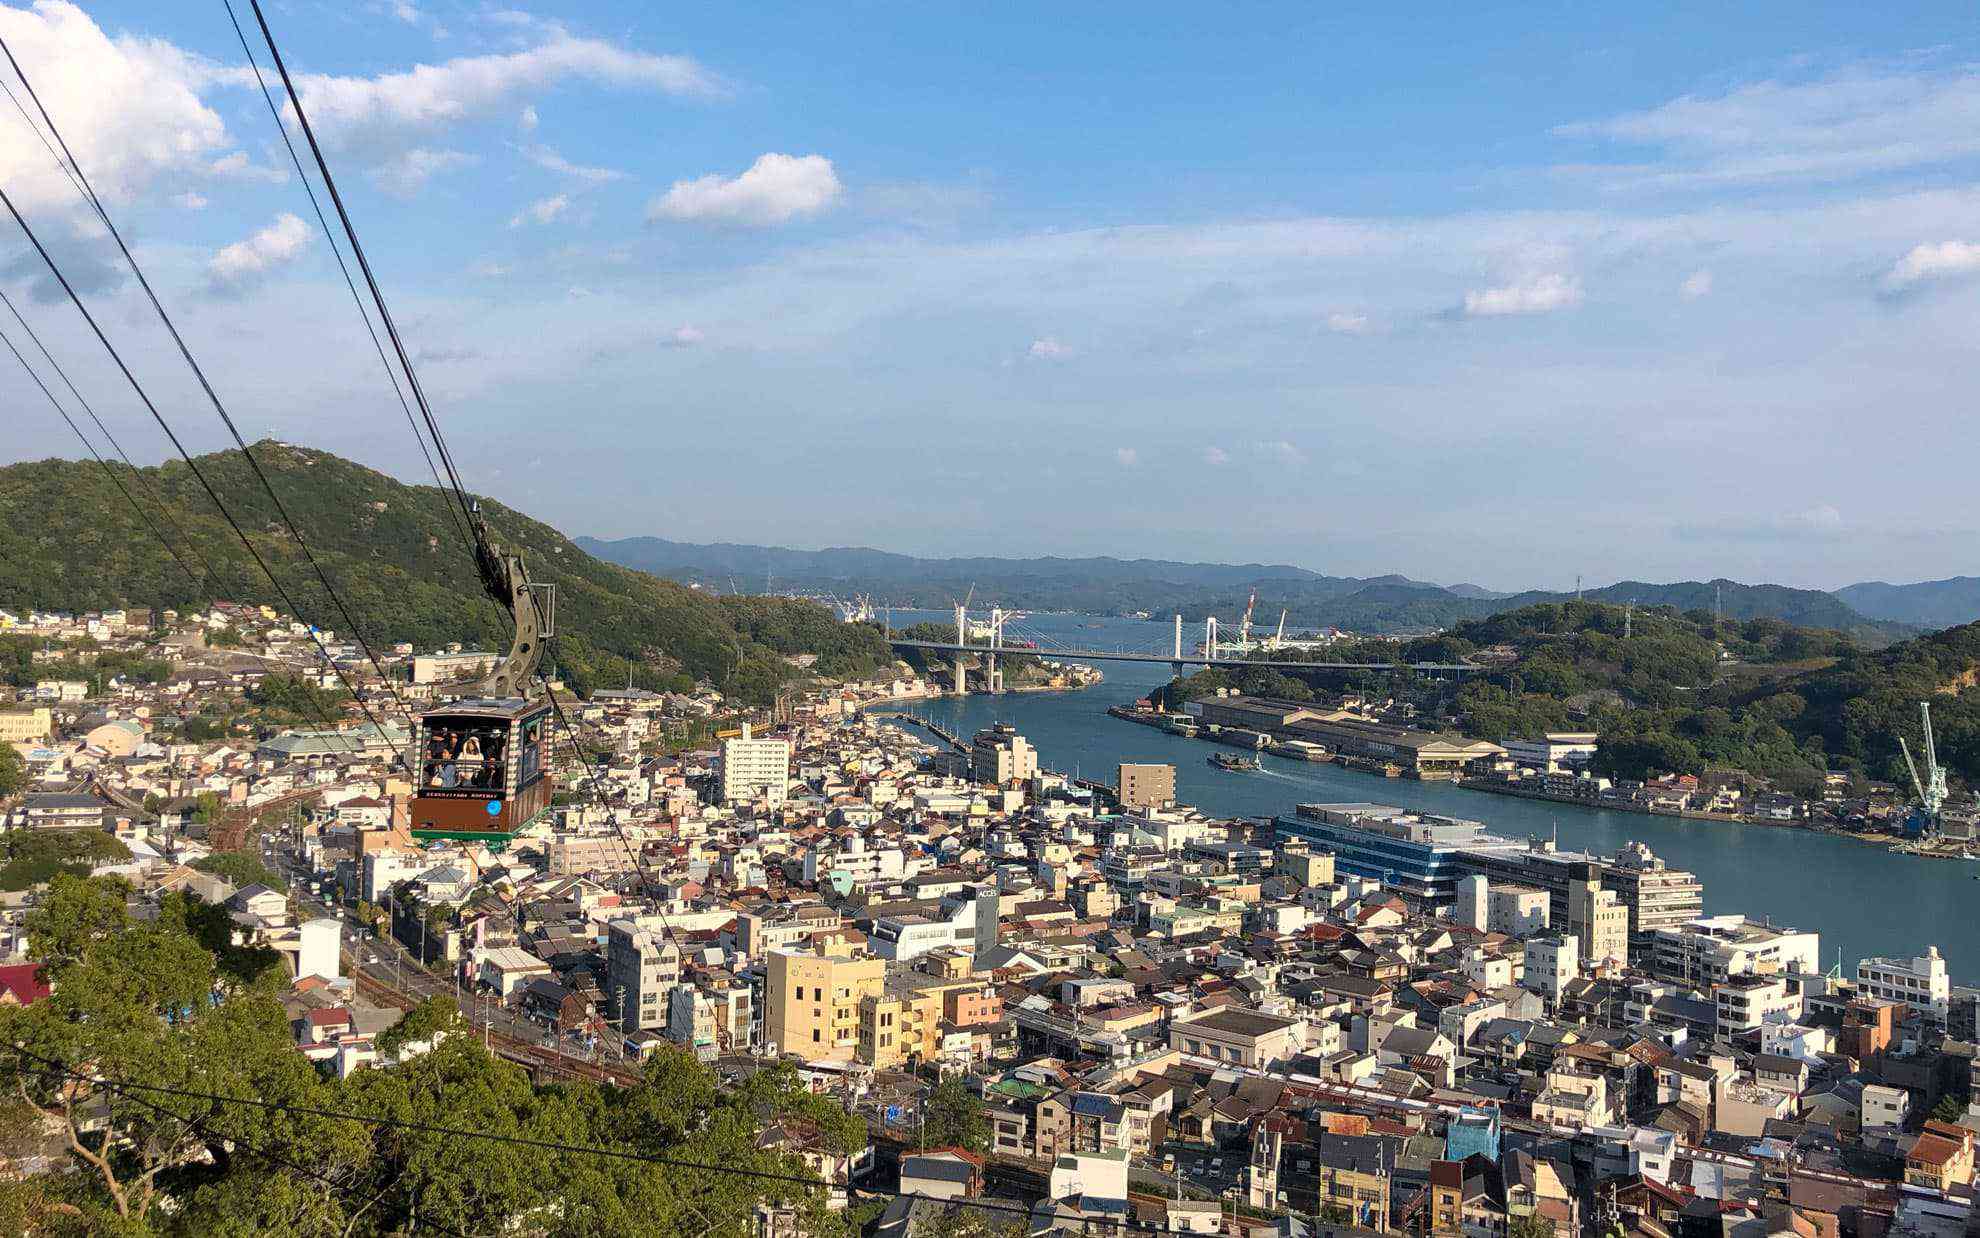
(550, 1145)
(452, 510)
(378, 297)
(75, 299)
(91, 447)
(123, 1090)
(164, 509)
(295, 530)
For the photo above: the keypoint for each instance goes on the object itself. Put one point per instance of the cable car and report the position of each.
(481, 769)
(480, 761)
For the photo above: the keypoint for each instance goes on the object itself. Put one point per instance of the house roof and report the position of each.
(22, 982)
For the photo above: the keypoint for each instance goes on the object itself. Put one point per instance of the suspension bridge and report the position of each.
(991, 641)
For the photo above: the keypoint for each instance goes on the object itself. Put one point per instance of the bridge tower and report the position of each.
(993, 675)
(1210, 638)
(962, 638)
(1176, 667)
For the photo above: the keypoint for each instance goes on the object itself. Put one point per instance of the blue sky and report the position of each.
(1498, 294)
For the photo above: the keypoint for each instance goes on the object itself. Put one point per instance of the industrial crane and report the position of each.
(1931, 789)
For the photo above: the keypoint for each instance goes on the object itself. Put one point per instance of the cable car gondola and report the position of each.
(481, 761)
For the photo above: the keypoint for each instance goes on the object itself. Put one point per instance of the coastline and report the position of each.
(1883, 842)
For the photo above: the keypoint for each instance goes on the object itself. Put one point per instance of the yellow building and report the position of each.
(897, 1029)
(19, 726)
(812, 1002)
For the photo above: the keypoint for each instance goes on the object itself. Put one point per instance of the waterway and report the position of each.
(1863, 899)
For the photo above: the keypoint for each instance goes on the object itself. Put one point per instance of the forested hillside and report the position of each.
(1684, 691)
(69, 541)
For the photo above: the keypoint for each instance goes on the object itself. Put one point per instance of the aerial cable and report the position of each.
(545, 1145)
(196, 1124)
(111, 472)
(75, 299)
(371, 282)
(295, 531)
(392, 376)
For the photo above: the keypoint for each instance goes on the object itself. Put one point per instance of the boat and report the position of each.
(1230, 761)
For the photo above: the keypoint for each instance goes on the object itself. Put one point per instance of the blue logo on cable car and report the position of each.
(494, 808)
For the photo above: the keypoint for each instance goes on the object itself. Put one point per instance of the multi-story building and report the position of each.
(811, 1002)
(1352, 1173)
(1920, 982)
(748, 769)
(1552, 963)
(1597, 918)
(999, 755)
(1420, 854)
(1710, 948)
(1554, 751)
(641, 964)
(1147, 786)
(1655, 895)
(20, 726)
(581, 855)
(901, 1026)
(1745, 1002)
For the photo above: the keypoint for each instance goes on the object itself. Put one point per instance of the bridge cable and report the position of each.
(295, 530)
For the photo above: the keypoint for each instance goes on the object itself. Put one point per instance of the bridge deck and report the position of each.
(1187, 659)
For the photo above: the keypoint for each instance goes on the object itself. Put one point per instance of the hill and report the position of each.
(1379, 604)
(1928, 603)
(68, 541)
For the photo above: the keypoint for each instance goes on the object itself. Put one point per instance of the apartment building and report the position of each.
(641, 965)
(1147, 786)
(1001, 756)
(812, 1002)
(749, 769)
(1920, 982)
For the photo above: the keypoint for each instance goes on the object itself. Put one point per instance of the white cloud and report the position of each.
(235, 165)
(550, 161)
(1279, 451)
(528, 119)
(488, 269)
(1127, 457)
(1347, 324)
(1940, 260)
(686, 337)
(429, 98)
(128, 107)
(190, 201)
(244, 262)
(776, 189)
(405, 174)
(1215, 456)
(541, 211)
(1697, 284)
(1541, 294)
(1047, 349)
(1865, 120)
(405, 12)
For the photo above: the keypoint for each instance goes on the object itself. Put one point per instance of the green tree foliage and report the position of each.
(290, 699)
(1530, 1227)
(240, 868)
(952, 1116)
(149, 1003)
(35, 856)
(13, 771)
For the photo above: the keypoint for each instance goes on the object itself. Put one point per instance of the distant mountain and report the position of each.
(1929, 603)
(1380, 604)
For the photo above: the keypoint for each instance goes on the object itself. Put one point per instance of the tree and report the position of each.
(1530, 1227)
(1949, 1109)
(13, 771)
(239, 868)
(952, 1116)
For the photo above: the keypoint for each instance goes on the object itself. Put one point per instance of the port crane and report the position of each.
(1931, 789)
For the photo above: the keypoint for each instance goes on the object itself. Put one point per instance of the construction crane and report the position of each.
(1931, 789)
(1244, 625)
(1279, 639)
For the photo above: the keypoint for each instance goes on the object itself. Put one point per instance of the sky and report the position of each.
(1506, 294)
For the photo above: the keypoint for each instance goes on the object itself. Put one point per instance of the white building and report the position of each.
(1745, 1002)
(1921, 982)
(748, 769)
(1711, 948)
(318, 954)
(1091, 1175)
(1552, 963)
(1554, 751)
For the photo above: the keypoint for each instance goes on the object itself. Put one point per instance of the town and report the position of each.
(1057, 1004)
